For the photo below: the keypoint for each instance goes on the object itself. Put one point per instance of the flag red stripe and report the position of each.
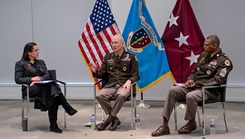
(113, 31)
(103, 44)
(96, 46)
(89, 50)
(82, 51)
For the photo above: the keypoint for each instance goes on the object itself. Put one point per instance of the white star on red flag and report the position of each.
(182, 39)
(192, 58)
(173, 20)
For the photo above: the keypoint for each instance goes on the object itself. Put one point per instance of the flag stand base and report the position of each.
(182, 106)
(98, 106)
(88, 124)
(142, 103)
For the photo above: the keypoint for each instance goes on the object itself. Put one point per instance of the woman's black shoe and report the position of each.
(68, 108)
(55, 128)
(71, 111)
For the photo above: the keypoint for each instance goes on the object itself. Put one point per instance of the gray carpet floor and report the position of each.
(10, 127)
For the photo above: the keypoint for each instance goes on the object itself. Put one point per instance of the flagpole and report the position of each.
(142, 103)
(182, 106)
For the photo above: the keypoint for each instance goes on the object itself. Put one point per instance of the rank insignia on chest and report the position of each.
(213, 62)
(110, 61)
(198, 68)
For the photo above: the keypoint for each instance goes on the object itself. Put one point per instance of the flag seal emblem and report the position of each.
(138, 40)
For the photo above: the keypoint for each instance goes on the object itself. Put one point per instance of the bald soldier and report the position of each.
(212, 68)
(121, 68)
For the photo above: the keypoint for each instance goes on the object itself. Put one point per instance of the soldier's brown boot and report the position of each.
(115, 123)
(102, 126)
(186, 129)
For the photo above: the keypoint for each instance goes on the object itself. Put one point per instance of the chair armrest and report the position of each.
(53, 81)
(179, 84)
(210, 87)
(132, 90)
(97, 82)
(26, 85)
(133, 83)
(214, 86)
(58, 81)
(50, 81)
(27, 92)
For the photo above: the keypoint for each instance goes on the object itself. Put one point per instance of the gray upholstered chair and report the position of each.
(131, 98)
(26, 100)
(203, 103)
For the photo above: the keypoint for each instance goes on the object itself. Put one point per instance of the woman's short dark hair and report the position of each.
(28, 48)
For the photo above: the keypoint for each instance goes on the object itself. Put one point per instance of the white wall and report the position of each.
(56, 26)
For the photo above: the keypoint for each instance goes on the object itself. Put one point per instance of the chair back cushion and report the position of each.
(223, 94)
(104, 80)
(52, 74)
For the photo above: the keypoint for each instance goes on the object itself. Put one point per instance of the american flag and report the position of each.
(95, 40)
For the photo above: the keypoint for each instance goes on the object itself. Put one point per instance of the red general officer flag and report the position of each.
(183, 40)
(95, 40)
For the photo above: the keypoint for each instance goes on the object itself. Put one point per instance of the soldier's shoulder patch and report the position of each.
(227, 62)
(223, 72)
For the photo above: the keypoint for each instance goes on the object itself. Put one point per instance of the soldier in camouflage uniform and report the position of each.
(121, 69)
(212, 68)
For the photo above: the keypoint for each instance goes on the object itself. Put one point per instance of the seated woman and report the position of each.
(30, 70)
